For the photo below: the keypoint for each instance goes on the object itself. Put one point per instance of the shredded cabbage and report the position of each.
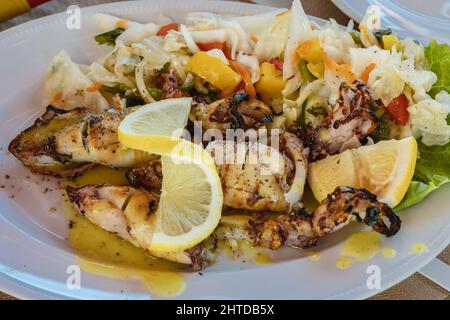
(65, 86)
(257, 24)
(443, 98)
(318, 87)
(252, 64)
(206, 27)
(99, 74)
(361, 58)
(137, 32)
(107, 22)
(428, 120)
(174, 41)
(370, 23)
(387, 80)
(299, 31)
(414, 51)
(217, 53)
(336, 42)
(272, 41)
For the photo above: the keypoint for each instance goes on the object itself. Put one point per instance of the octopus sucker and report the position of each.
(350, 117)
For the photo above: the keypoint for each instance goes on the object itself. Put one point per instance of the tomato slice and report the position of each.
(227, 52)
(246, 78)
(215, 45)
(398, 110)
(166, 28)
(211, 45)
(277, 63)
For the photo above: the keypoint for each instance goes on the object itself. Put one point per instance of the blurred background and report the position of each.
(19, 11)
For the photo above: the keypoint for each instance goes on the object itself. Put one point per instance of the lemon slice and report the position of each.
(385, 169)
(190, 206)
(160, 123)
(191, 199)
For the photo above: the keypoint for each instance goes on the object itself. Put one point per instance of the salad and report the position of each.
(361, 119)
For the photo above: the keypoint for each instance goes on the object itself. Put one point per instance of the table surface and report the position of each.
(414, 287)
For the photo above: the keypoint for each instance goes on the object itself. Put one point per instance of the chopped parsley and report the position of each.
(317, 111)
(356, 38)
(382, 32)
(187, 86)
(165, 68)
(109, 37)
(132, 99)
(155, 92)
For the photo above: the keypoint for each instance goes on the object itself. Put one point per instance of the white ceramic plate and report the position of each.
(420, 19)
(34, 255)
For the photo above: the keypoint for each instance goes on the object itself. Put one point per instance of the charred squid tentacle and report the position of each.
(302, 230)
(350, 117)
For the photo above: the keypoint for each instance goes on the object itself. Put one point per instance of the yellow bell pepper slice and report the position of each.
(214, 71)
(317, 69)
(310, 50)
(390, 41)
(270, 83)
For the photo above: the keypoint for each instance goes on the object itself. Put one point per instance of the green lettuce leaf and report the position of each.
(109, 38)
(432, 171)
(433, 166)
(417, 191)
(438, 58)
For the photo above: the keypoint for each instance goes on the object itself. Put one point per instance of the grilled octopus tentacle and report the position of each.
(237, 112)
(130, 214)
(303, 230)
(350, 117)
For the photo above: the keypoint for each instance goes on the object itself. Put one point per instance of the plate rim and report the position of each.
(426, 21)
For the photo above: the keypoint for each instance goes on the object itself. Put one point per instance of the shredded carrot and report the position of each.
(121, 23)
(166, 28)
(227, 52)
(344, 70)
(366, 73)
(211, 45)
(253, 37)
(56, 98)
(282, 13)
(365, 34)
(246, 78)
(94, 87)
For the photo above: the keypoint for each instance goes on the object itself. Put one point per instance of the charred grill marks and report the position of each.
(302, 230)
(350, 117)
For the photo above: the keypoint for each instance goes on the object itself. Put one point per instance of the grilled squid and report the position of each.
(130, 214)
(304, 230)
(66, 143)
(350, 117)
(253, 176)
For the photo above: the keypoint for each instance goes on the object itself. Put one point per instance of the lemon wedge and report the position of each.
(191, 199)
(159, 124)
(385, 169)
